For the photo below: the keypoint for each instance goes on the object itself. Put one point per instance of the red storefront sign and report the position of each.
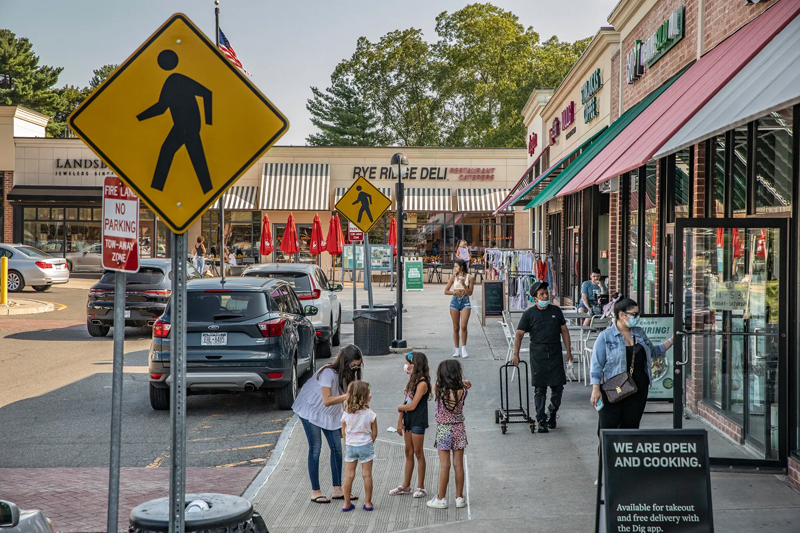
(120, 226)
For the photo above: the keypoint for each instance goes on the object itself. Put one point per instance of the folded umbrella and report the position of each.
(334, 244)
(267, 246)
(393, 236)
(289, 244)
(316, 243)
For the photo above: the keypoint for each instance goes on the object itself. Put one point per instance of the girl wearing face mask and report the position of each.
(618, 348)
(319, 406)
(413, 421)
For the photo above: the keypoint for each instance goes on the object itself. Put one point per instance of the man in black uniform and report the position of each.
(545, 323)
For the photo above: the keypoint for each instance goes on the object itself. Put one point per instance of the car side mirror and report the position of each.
(336, 287)
(9, 514)
(310, 310)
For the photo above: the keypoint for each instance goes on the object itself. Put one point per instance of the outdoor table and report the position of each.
(434, 269)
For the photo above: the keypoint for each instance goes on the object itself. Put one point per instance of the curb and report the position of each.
(27, 307)
(277, 453)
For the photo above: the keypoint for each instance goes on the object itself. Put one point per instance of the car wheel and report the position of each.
(159, 398)
(42, 288)
(337, 338)
(324, 349)
(69, 266)
(15, 281)
(286, 395)
(96, 330)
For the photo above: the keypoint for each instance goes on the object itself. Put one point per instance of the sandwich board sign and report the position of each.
(120, 226)
(178, 122)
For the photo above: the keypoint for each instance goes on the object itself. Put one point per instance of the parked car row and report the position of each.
(29, 266)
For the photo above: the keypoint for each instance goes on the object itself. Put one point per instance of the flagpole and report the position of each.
(222, 257)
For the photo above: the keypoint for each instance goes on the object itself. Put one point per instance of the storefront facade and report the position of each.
(700, 161)
(55, 200)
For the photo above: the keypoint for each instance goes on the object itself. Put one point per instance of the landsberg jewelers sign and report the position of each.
(647, 53)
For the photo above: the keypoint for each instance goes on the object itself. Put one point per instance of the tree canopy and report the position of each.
(22, 80)
(466, 89)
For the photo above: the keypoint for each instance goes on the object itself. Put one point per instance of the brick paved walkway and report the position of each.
(76, 499)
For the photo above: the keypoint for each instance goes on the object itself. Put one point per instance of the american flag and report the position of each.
(227, 50)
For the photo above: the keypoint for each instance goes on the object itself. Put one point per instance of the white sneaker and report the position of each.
(436, 503)
(461, 502)
(456, 352)
(464, 353)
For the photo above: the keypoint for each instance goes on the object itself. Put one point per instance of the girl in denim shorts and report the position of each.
(413, 421)
(360, 429)
(460, 287)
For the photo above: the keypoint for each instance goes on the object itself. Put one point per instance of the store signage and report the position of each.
(533, 142)
(412, 272)
(727, 297)
(82, 167)
(426, 173)
(568, 116)
(658, 329)
(591, 86)
(555, 130)
(647, 53)
(571, 132)
(655, 480)
(590, 110)
(154, 124)
(120, 226)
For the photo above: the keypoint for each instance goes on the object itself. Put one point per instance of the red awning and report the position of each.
(663, 118)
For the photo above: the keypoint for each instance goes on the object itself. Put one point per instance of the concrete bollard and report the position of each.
(3, 280)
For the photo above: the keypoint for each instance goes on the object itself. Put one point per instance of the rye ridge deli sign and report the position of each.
(427, 173)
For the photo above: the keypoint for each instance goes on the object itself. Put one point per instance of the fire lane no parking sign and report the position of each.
(120, 226)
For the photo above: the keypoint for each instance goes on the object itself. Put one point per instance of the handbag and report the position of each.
(620, 386)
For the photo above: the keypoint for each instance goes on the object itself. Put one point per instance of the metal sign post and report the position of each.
(368, 269)
(353, 272)
(177, 470)
(116, 401)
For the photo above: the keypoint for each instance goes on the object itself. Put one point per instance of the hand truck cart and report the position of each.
(505, 414)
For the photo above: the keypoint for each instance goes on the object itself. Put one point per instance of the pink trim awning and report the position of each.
(672, 110)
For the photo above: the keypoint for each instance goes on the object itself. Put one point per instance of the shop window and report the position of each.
(242, 234)
(152, 234)
(682, 181)
(739, 169)
(773, 162)
(632, 253)
(650, 244)
(72, 213)
(43, 213)
(572, 246)
(716, 192)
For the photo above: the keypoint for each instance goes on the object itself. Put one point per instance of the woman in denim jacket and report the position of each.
(617, 347)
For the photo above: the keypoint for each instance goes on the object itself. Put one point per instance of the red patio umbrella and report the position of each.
(267, 246)
(334, 244)
(393, 236)
(289, 244)
(315, 245)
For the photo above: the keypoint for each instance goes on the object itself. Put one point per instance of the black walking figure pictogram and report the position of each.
(365, 199)
(179, 96)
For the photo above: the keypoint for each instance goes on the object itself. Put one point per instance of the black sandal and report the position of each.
(318, 500)
(352, 498)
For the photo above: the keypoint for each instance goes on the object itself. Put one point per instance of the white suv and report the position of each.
(312, 287)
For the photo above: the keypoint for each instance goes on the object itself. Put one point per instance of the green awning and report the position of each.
(551, 173)
(603, 140)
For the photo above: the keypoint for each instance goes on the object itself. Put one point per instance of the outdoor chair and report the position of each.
(596, 325)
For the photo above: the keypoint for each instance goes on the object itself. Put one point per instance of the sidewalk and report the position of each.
(515, 482)
(26, 307)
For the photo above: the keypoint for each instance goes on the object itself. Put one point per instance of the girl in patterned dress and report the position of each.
(450, 392)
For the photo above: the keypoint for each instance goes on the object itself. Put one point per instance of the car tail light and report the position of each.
(155, 375)
(319, 334)
(42, 264)
(272, 328)
(161, 329)
(316, 293)
(164, 292)
(100, 291)
(275, 375)
(217, 290)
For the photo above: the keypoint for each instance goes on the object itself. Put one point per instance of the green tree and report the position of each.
(22, 80)
(396, 78)
(72, 97)
(341, 116)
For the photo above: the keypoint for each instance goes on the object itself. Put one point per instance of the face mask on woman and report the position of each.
(408, 368)
(633, 322)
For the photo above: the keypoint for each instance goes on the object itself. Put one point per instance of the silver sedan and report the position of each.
(33, 267)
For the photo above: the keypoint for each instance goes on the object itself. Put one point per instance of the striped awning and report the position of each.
(295, 187)
(242, 198)
(422, 199)
(481, 200)
(340, 191)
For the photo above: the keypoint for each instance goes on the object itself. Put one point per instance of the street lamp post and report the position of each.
(399, 162)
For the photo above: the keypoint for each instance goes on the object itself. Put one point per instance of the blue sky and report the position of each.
(287, 46)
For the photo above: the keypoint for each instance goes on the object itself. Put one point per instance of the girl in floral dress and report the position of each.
(450, 392)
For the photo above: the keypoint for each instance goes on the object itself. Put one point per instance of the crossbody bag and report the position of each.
(622, 385)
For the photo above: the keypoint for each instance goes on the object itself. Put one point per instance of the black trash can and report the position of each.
(393, 310)
(205, 512)
(373, 330)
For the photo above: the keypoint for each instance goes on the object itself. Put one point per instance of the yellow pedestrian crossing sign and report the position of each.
(363, 204)
(178, 122)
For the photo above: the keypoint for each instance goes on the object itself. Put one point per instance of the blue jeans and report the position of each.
(314, 436)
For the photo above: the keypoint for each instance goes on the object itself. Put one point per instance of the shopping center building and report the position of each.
(667, 158)
(52, 196)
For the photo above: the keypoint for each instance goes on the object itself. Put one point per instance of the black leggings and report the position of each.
(626, 413)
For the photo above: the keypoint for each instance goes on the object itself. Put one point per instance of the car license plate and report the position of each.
(214, 339)
(127, 314)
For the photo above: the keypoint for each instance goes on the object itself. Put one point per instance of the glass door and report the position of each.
(730, 301)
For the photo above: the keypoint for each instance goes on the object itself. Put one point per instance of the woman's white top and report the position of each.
(463, 253)
(309, 404)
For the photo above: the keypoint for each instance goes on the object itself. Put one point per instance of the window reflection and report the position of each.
(774, 162)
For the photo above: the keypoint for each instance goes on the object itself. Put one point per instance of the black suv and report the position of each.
(146, 295)
(246, 334)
